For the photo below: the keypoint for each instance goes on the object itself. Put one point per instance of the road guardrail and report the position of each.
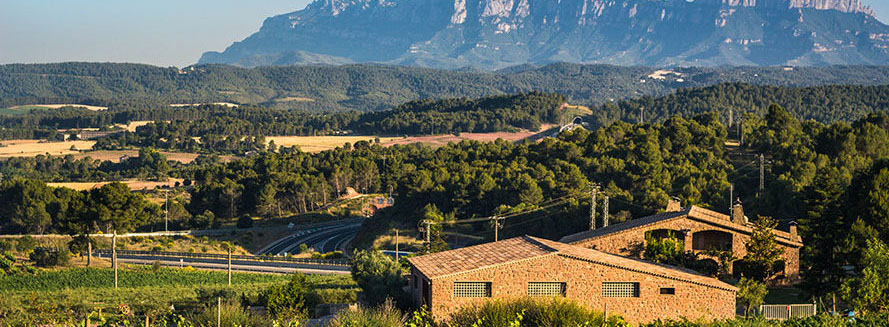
(261, 258)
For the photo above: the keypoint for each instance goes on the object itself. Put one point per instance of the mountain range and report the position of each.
(493, 34)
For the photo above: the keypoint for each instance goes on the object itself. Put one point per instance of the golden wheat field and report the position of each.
(33, 148)
(134, 185)
(320, 143)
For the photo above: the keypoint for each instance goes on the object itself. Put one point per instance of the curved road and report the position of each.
(323, 239)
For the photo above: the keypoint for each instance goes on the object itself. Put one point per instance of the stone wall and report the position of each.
(584, 285)
(632, 242)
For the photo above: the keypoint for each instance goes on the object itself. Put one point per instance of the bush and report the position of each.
(233, 314)
(385, 315)
(43, 257)
(555, 312)
(378, 275)
(26, 244)
(245, 222)
(80, 244)
(291, 300)
(328, 255)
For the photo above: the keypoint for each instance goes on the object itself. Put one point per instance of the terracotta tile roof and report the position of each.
(479, 256)
(491, 255)
(624, 226)
(693, 212)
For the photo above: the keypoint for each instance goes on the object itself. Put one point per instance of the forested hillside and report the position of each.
(825, 104)
(375, 87)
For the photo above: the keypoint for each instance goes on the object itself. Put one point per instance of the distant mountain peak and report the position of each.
(493, 34)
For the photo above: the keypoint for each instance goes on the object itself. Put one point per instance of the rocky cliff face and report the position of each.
(498, 33)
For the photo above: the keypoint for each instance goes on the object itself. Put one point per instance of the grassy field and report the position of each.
(316, 144)
(134, 185)
(33, 148)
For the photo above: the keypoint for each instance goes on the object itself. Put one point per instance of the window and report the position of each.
(472, 289)
(668, 290)
(546, 289)
(620, 289)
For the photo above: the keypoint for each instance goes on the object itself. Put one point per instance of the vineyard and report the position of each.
(140, 277)
(69, 295)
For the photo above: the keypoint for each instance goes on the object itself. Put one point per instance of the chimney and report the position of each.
(794, 235)
(673, 205)
(738, 213)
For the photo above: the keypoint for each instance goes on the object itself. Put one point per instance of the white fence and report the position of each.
(787, 311)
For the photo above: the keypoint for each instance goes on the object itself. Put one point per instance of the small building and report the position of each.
(523, 267)
(700, 230)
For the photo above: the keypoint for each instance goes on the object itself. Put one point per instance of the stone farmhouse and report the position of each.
(699, 229)
(531, 267)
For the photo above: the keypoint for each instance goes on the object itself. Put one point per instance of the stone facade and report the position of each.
(507, 268)
(583, 280)
(699, 233)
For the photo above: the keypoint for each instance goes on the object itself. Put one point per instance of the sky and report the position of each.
(157, 32)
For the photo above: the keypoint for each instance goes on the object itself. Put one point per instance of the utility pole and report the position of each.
(740, 132)
(229, 266)
(166, 211)
(497, 226)
(219, 311)
(605, 212)
(89, 249)
(428, 231)
(114, 255)
(642, 115)
(762, 172)
(731, 117)
(593, 190)
(396, 245)
(731, 195)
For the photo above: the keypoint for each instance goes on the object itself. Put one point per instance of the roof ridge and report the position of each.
(538, 242)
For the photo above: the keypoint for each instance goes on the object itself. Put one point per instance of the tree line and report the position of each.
(375, 87)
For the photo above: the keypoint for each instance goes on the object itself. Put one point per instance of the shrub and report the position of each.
(49, 258)
(245, 222)
(80, 244)
(290, 300)
(26, 244)
(328, 255)
(555, 312)
(385, 315)
(378, 275)
(232, 315)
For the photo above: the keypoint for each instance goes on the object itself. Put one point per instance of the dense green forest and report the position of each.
(821, 103)
(375, 87)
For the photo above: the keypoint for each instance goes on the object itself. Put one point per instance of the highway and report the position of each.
(323, 239)
(237, 265)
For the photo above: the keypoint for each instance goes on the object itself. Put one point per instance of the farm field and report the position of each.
(131, 127)
(24, 109)
(115, 155)
(33, 148)
(66, 295)
(316, 144)
(134, 185)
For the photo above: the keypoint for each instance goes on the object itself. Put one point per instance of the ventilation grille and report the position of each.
(620, 289)
(546, 289)
(472, 289)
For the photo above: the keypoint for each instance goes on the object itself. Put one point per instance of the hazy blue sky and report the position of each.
(158, 32)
